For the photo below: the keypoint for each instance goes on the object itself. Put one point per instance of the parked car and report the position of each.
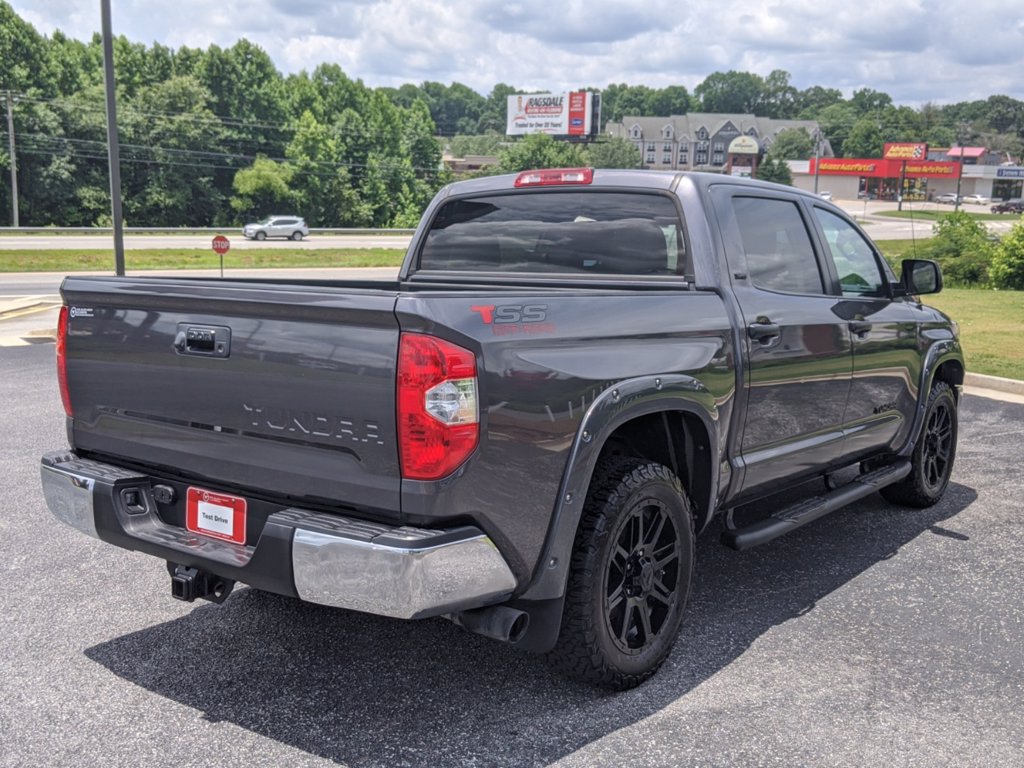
(825, 195)
(293, 227)
(976, 199)
(1015, 205)
(948, 198)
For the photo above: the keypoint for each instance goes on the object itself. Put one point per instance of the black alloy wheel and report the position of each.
(934, 453)
(937, 457)
(642, 576)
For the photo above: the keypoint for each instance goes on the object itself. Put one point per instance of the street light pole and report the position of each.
(14, 161)
(113, 148)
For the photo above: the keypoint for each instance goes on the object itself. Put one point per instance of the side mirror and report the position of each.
(920, 276)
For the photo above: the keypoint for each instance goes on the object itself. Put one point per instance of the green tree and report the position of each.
(455, 108)
(867, 101)
(731, 91)
(780, 99)
(613, 152)
(72, 65)
(262, 188)
(836, 122)
(539, 151)
(494, 117)
(865, 139)
(670, 100)
(172, 147)
(324, 189)
(793, 144)
(774, 168)
(1007, 270)
(811, 101)
(22, 51)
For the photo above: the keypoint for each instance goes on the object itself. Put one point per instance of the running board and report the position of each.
(809, 510)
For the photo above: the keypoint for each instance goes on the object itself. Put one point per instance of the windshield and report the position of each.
(265, 221)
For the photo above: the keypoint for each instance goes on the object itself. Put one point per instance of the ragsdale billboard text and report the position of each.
(570, 114)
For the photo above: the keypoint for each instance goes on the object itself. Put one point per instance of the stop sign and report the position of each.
(221, 244)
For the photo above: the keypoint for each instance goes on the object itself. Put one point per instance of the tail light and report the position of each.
(62, 361)
(438, 414)
(553, 177)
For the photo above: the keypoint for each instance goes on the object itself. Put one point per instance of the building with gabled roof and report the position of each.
(703, 140)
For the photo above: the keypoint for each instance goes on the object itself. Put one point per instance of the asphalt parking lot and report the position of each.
(877, 636)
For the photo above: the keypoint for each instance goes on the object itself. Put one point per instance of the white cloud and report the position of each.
(917, 51)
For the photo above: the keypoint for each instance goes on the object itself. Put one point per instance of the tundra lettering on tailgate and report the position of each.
(316, 424)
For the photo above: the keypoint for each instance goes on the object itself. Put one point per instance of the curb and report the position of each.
(998, 383)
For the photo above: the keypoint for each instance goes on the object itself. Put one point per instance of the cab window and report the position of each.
(778, 247)
(854, 258)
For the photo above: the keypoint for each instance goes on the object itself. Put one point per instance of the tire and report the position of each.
(933, 456)
(296, 236)
(260, 236)
(627, 588)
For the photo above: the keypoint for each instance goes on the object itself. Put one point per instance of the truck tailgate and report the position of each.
(275, 387)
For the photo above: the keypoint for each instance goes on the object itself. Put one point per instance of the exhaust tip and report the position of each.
(498, 622)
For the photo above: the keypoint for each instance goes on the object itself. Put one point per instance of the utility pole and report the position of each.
(14, 161)
(113, 148)
(960, 174)
(817, 157)
(903, 181)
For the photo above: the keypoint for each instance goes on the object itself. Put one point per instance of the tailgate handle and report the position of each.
(203, 340)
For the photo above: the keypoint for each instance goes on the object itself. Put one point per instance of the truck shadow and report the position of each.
(368, 691)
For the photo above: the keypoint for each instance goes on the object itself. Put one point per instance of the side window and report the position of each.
(778, 248)
(854, 258)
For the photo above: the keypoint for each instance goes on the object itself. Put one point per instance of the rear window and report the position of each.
(602, 233)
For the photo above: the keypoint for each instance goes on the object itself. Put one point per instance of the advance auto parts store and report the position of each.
(880, 177)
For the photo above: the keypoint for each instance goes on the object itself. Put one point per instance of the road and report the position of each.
(103, 242)
(866, 213)
(876, 636)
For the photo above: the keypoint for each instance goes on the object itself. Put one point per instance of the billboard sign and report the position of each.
(558, 114)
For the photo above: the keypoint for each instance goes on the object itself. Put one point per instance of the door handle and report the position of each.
(763, 332)
(860, 328)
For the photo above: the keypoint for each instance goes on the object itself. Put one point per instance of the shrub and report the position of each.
(963, 248)
(1007, 270)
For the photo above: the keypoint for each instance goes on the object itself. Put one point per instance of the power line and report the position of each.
(45, 141)
(84, 155)
(219, 120)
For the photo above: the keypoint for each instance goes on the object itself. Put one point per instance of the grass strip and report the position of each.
(62, 260)
(936, 215)
(991, 324)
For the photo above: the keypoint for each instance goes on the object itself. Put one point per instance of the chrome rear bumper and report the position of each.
(397, 571)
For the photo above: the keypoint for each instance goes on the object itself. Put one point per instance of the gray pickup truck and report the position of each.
(574, 374)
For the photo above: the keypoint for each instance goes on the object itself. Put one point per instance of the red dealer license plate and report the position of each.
(215, 514)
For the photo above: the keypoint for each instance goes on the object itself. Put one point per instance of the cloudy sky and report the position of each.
(917, 51)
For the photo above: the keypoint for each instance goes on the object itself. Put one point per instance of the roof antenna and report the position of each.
(913, 233)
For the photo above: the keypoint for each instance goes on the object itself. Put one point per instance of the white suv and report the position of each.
(293, 227)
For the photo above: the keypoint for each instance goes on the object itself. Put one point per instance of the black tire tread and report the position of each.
(577, 652)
